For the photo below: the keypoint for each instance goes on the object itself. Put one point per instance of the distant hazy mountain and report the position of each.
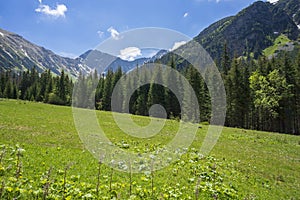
(97, 60)
(103, 62)
(18, 54)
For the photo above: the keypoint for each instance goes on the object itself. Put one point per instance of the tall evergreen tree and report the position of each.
(289, 101)
(297, 95)
(141, 102)
(195, 80)
(172, 101)
(25, 84)
(225, 62)
(99, 93)
(107, 91)
(8, 91)
(156, 92)
(61, 86)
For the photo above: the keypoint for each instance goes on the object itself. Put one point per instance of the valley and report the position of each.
(265, 166)
(252, 55)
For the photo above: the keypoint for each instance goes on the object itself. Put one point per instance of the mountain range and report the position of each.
(248, 33)
(16, 53)
(99, 61)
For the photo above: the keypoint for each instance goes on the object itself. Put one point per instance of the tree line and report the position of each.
(262, 94)
(32, 86)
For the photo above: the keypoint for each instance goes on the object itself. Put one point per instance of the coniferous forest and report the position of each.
(262, 94)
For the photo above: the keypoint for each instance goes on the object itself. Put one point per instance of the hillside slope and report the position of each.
(248, 33)
(257, 165)
(253, 29)
(18, 54)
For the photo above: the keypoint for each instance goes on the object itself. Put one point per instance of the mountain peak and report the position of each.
(252, 29)
(19, 54)
(247, 33)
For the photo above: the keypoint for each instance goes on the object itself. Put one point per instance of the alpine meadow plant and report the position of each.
(64, 185)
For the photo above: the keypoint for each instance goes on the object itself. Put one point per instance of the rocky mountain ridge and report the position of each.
(18, 54)
(253, 29)
(247, 34)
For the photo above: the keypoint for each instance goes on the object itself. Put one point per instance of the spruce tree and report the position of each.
(8, 91)
(225, 62)
(289, 102)
(107, 91)
(172, 101)
(235, 109)
(156, 92)
(99, 93)
(141, 102)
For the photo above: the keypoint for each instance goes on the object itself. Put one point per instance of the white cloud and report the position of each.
(100, 34)
(40, 1)
(273, 1)
(185, 15)
(114, 33)
(59, 11)
(177, 45)
(130, 53)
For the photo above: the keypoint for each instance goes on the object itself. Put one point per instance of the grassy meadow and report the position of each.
(244, 164)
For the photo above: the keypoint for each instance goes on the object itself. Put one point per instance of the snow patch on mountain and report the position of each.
(24, 52)
(8, 53)
(293, 16)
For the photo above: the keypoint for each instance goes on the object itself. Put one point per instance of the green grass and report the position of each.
(255, 165)
(280, 41)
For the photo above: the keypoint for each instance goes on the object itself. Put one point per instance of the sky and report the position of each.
(71, 27)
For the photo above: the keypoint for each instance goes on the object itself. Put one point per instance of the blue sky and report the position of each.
(71, 27)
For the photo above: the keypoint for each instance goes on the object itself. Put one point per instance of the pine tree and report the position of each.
(235, 109)
(68, 89)
(156, 92)
(194, 78)
(107, 91)
(43, 86)
(225, 62)
(297, 95)
(25, 84)
(2, 84)
(8, 91)
(61, 87)
(49, 86)
(172, 101)
(289, 102)
(80, 92)
(141, 102)
(99, 93)
(246, 97)
(15, 91)
(116, 77)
